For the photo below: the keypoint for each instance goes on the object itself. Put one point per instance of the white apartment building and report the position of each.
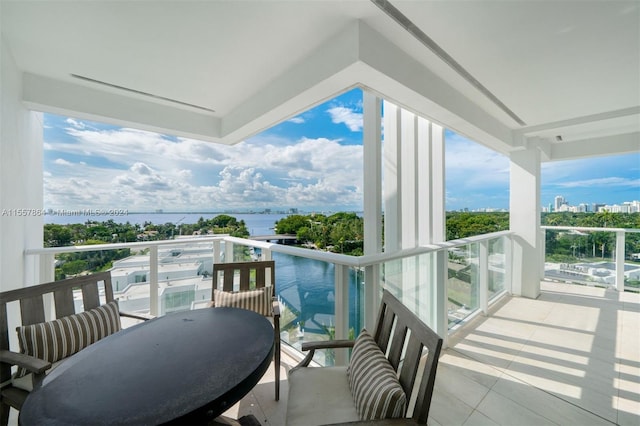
(558, 203)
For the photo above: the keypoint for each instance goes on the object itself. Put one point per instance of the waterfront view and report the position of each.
(306, 287)
(257, 224)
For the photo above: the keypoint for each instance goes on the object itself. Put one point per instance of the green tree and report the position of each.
(74, 267)
(57, 235)
(291, 224)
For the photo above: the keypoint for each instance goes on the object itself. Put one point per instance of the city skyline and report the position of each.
(313, 162)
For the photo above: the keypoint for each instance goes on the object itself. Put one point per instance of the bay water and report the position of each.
(305, 285)
(257, 224)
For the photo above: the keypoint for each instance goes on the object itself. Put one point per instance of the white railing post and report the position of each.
(543, 251)
(216, 251)
(228, 251)
(341, 308)
(508, 264)
(371, 295)
(620, 254)
(153, 280)
(441, 299)
(47, 268)
(266, 254)
(483, 276)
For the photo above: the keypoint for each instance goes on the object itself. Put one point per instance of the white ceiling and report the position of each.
(569, 68)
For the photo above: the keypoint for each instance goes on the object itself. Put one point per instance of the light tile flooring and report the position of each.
(571, 357)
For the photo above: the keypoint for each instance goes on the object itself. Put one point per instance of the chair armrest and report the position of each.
(275, 306)
(28, 362)
(327, 344)
(322, 344)
(143, 317)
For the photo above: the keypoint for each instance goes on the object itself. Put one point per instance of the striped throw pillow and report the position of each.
(259, 300)
(374, 384)
(56, 340)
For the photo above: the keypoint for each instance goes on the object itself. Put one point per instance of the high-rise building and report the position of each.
(559, 201)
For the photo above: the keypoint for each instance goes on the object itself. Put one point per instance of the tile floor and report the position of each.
(570, 357)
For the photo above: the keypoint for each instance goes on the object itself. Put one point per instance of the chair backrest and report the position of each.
(403, 337)
(250, 275)
(33, 305)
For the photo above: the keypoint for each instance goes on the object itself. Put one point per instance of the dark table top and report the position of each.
(185, 367)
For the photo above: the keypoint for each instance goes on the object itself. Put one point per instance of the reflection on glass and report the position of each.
(462, 283)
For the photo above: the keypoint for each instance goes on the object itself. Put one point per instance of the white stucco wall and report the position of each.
(21, 146)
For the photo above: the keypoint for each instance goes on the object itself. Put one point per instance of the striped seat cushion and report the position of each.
(374, 384)
(58, 339)
(259, 300)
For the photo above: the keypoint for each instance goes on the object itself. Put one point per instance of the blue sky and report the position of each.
(312, 162)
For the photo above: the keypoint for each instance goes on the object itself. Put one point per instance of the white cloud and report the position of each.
(62, 162)
(350, 118)
(75, 123)
(296, 120)
(602, 182)
(147, 171)
(471, 165)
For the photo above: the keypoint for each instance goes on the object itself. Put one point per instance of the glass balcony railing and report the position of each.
(602, 257)
(474, 274)
(463, 282)
(327, 295)
(323, 295)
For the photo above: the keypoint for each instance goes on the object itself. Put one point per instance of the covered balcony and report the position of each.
(569, 357)
(535, 81)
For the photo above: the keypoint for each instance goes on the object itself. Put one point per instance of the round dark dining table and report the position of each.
(182, 368)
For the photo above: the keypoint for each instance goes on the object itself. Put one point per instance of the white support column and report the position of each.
(153, 280)
(393, 190)
(21, 147)
(392, 166)
(440, 274)
(414, 173)
(408, 208)
(524, 218)
(408, 186)
(424, 182)
(620, 253)
(424, 224)
(372, 193)
(438, 215)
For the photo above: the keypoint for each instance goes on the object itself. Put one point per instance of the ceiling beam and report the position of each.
(78, 100)
(596, 147)
(608, 115)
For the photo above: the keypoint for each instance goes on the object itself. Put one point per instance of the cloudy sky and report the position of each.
(312, 162)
